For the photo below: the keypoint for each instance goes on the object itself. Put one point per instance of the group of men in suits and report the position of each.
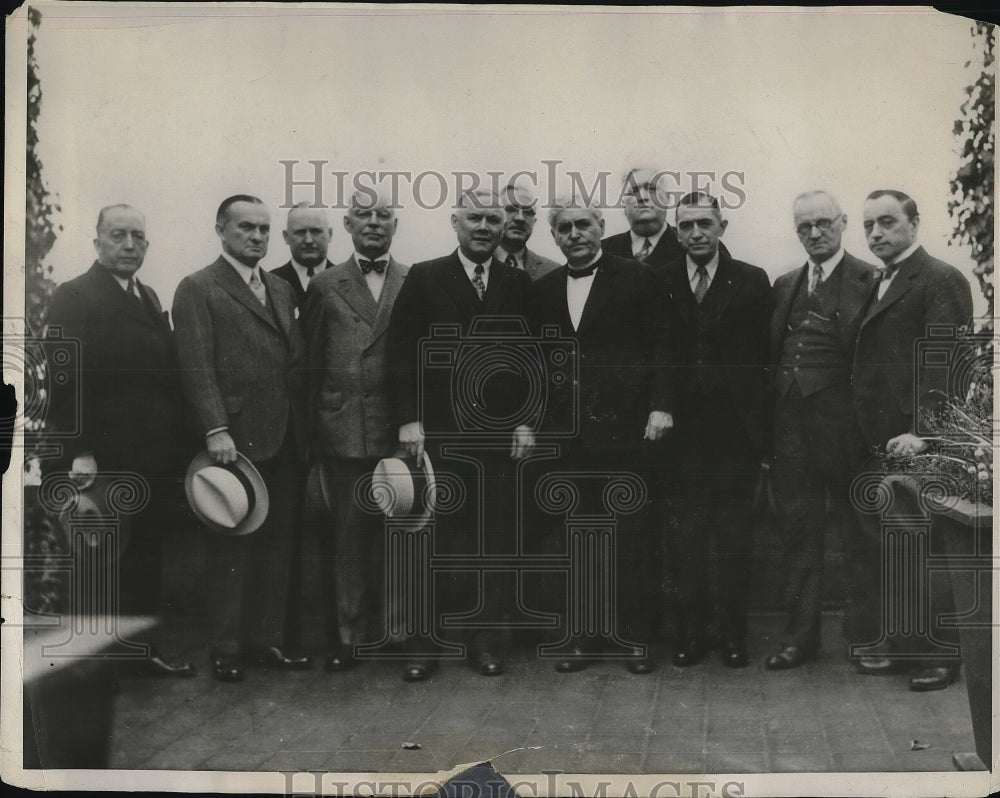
(690, 372)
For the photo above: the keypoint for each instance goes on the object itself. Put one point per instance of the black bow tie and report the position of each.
(578, 273)
(368, 265)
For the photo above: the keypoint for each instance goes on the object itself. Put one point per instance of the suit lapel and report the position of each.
(899, 286)
(854, 288)
(460, 289)
(120, 302)
(393, 282)
(281, 311)
(233, 284)
(599, 297)
(497, 288)
(722, 289)
(779, 321)
(351, 285)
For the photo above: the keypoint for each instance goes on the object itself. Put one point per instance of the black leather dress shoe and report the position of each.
(418, 670)
(789, 657)
(274, 657)
(734, 654)
(339, 660)
(690, 653)
(227, 669)
(639, 662)
(928, 679)
(487, 664)
(575, 660)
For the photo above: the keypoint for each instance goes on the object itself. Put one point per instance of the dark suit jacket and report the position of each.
(287, 272)
(130, 405)
(737, 316)
(537, 266)
(439, 292)
(924, 292)
(345, 331)
(623, 355)
(855, 288)
(241, 363)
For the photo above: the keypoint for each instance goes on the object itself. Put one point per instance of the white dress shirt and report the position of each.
(501, 255)
(303, 272)
(245, 272)
(827, 266)
(578, 290)
(470, 267)
(638, 241)
(710, 267)
(375, 280)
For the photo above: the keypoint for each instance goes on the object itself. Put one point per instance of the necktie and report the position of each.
(511, 261)
(885, 272)
(258, 287)
(576, 274)
(815, 277)
(701, 287)
(477, 280)
(644, 252)
(310, 271)
(132, 291)
(378, 266)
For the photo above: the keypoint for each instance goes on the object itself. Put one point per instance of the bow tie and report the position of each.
(576, 274)
(368, 265)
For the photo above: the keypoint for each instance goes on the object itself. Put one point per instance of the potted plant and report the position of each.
(951, 483)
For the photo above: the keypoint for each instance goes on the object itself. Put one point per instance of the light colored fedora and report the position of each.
(404, 490)
(229, 499)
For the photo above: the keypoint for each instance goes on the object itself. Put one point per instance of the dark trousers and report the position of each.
(712, 468)
(817, 453)
(906, 603)
(248, 574)
(479, 519)
(353, 547)
(607, 501)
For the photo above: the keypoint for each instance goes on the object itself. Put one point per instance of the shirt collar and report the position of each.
(502, 254)
(710, 267)
(638, 241)
(122, 281)
(905, 253)
(591, 262)
(245, 272)
(304, 270)
(470, 265)
(829, 264)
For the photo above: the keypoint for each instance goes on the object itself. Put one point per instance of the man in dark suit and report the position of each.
(618, 318)
(345, 321)
(240, 353)
(307, 233)
(649, 239)
(914, 292)
(467, 289)
(720, 315)
(520, 211)
(130, 411)
(817, 444)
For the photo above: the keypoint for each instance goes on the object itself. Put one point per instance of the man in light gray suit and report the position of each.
(240, 352)
(520, 214)
(345, 318)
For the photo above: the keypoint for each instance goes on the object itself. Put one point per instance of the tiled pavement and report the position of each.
(819, 718)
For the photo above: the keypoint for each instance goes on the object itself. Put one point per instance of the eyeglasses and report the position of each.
(823, 225)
